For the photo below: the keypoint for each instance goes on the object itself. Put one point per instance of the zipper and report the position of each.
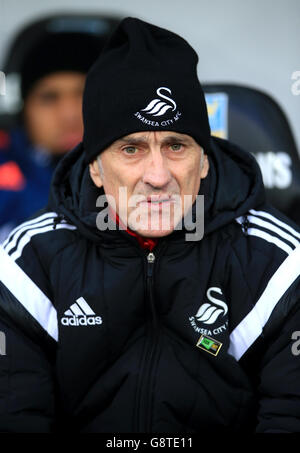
(150, 355)
(150, 266)
(245, 225)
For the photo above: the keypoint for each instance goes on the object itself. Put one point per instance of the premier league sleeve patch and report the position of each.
(209, 345)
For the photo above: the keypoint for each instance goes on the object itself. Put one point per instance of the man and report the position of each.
(52, 81)
(120, 317)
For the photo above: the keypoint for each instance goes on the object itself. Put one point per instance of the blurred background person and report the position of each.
(52, 77)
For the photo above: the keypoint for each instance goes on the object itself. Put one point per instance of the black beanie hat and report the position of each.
(58, 52)
(145, 79)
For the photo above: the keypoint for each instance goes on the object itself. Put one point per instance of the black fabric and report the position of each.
(12, 310)
(58, 52)
(27, 396)
(143, 66)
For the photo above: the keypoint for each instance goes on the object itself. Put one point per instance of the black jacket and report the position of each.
(101, 335)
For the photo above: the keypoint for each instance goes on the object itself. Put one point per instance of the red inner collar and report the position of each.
(145, 243)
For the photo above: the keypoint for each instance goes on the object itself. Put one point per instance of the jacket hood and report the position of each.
(232, 187)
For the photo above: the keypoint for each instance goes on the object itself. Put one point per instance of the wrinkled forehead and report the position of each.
(155, 137)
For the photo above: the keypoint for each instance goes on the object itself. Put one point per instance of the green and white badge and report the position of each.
(209, 344)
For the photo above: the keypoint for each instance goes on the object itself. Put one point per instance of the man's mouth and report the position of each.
(157, 202)
(155, 199)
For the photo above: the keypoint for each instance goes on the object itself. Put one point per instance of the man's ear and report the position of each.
(205, 167)
(95, 173)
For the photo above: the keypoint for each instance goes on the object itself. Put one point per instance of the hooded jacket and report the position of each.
(195, 336)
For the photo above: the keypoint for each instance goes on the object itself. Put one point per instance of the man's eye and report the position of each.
(48, 98)
(176, 147)
(130, 150)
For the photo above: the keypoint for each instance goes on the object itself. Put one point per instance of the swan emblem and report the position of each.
(208, 313)
(157, 107)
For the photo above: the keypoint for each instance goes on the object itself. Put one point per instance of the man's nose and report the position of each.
(156, 172)
(70, 110)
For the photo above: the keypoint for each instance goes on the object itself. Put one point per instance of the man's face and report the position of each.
(160, 169)
(53, 112)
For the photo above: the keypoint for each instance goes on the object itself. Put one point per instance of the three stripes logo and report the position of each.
(22, 234)
(80, 314)
(157, 107)
(267, 227)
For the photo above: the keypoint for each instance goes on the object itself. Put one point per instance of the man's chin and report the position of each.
(154, 224)
(154, 234)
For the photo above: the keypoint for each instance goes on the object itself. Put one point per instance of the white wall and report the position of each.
(253, 42)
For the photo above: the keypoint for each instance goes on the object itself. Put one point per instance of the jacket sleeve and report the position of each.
(263, 338)
(28, 335)
(279, 388)
(26, 384)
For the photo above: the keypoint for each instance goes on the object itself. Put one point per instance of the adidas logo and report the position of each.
(80, 314)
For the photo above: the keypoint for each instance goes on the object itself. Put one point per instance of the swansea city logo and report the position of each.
(209, 312)
(158, 107)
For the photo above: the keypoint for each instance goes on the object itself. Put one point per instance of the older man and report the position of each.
(117, 317)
